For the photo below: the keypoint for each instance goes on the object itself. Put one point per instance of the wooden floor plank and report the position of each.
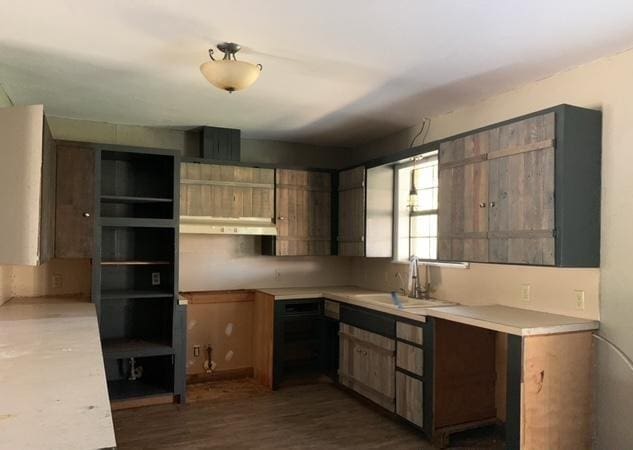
(315, 416)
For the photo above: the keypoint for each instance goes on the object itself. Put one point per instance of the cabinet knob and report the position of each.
(282, 218)
(86, 214)
(492, 204)
(482, 205)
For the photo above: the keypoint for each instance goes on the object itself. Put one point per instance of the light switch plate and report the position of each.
(155, 278)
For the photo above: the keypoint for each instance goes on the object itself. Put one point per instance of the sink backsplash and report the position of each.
(551, 289)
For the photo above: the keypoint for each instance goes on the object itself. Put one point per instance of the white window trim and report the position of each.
(396, 202)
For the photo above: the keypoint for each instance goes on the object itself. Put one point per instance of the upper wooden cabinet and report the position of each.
(75, 201)
(211, 190)
(27, 193)
(302, 214)
(524, 192)
(365, 212)
(351, 212)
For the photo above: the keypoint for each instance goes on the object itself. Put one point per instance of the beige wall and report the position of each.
(604, 84)
(232, 262)
(252, 150)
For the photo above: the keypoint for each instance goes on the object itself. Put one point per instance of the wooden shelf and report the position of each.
(134, 348)
(126, 389)
(138, 222)
(135, 263)
(133, 199)
(113, 294)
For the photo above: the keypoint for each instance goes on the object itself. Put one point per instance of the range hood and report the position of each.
(227, 225)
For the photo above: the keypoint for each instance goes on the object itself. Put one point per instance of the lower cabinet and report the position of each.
(367, 364)
(410, 398)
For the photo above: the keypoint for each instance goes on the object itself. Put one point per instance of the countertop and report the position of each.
(506, 319)
(53, 392)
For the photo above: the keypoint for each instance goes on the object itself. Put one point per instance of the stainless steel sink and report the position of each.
(406, 302)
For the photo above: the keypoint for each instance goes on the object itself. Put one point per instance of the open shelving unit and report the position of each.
(135, 272)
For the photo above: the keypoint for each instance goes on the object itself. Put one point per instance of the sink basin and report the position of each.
(406, 302)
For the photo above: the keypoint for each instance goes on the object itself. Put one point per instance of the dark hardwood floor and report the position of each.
(316, 416)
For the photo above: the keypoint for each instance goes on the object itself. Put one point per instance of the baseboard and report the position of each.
(140, 402)
(228, 374)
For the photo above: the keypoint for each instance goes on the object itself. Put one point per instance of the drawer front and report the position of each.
(331, 309)
(367, 338)
(292, 308)
(410, 358)
(409, 332)
(369, 320)
(409, 398)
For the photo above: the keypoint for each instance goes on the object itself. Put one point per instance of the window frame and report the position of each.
(397, 216)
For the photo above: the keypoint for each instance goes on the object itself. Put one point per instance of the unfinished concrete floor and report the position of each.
(240, 415)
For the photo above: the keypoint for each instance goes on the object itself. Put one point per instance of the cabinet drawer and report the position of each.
(369, 320)
(410, 358)
(411, 333)
(331, 309)
(409, 399)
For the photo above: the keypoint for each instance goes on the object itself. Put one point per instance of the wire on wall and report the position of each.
(620, 353)
(424, 128)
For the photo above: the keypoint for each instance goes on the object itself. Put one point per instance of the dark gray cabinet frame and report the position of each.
(578, 180)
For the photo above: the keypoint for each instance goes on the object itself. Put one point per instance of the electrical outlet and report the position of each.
(57, 281)
(525, 292)
(196, 350)
(277, 274)
(155, 278)
(580, 299)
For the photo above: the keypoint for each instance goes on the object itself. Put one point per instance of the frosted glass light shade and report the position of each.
(230, 75)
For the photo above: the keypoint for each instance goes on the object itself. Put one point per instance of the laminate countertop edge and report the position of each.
(504, 319)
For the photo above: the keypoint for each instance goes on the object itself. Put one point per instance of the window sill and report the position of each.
(448, 265)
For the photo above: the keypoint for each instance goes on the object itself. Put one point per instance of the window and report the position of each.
(416, 226)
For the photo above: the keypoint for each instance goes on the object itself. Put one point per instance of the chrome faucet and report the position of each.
(417, 291)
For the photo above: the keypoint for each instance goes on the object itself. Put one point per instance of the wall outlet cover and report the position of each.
(580, 299)
(57, 281)
(155, 278)
(525, 292)
(196, 350)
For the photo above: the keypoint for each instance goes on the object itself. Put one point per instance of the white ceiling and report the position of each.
(335, 72)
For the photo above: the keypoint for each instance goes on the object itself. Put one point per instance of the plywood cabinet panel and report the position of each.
(351, 212)
(75, 201)
(303, 213)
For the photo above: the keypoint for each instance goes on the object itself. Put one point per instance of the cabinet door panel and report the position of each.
(521, 194)
(351, 212)
(303, 213)
(409, 398)
(463, 212)
(75, 202)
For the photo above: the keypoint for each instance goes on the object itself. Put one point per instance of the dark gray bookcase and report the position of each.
(135, 272)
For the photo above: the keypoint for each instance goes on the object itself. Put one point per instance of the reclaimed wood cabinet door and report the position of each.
(410, 399)
(463, 197)
(521, 193)
(351, 212)
(75, 194)
(367, 364)
(223, 191)
(303, 213)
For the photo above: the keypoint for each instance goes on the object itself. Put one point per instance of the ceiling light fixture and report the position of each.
(228, 73)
